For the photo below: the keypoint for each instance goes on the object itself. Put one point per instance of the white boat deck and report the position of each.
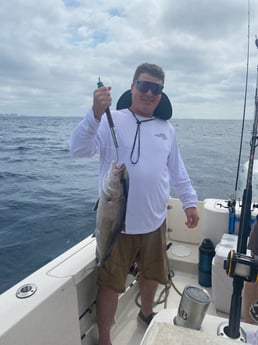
(128, 330)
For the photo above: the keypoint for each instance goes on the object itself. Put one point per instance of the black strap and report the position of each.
(137, 138)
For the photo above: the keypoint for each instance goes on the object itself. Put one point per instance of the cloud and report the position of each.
(52, 53)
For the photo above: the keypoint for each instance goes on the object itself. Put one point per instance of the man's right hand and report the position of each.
(101, 101)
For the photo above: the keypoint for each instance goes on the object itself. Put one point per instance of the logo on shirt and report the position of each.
(162, 136)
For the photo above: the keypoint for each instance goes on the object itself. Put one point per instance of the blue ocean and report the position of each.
(47, 197)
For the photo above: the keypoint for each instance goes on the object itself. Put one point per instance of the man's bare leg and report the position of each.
(106, 306)
(250, 298)
(148, 289)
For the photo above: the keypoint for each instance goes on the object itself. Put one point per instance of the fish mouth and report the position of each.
(117, 169)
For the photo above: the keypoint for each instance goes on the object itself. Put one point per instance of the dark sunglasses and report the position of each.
(145, 86)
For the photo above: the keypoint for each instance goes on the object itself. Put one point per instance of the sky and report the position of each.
(52, 53)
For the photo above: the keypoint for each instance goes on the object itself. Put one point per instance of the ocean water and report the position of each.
(47, 197)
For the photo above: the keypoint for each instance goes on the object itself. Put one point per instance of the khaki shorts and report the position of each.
(149, 252)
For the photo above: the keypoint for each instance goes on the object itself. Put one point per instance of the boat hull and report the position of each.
(62, 310)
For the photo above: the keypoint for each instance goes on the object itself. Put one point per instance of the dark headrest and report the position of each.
(163, 111)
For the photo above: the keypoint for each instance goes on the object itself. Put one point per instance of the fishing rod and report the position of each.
(238, 265)
(244, 108)
(110, 121)
(232, 202)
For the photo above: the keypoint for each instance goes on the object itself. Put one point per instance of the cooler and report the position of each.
(221, 283)
(215, 219)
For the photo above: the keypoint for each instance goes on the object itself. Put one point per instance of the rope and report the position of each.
(163, 295)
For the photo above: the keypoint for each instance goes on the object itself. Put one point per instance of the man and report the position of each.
(148, 147)
(250, 297)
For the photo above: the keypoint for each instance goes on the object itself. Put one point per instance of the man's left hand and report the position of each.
(192, 217)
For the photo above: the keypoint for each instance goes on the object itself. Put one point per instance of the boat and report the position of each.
(56, 304)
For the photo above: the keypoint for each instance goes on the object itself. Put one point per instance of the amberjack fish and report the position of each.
(111, 210)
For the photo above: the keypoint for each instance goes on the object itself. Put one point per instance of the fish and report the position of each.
(111, 210)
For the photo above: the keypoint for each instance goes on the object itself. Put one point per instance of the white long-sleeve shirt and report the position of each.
(160, 164)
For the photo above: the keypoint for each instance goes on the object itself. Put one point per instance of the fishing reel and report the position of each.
(241, 265)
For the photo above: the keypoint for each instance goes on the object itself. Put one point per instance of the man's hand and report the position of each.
(101, 101)
(192, 217)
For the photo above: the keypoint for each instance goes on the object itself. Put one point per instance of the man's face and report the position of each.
(144, 103)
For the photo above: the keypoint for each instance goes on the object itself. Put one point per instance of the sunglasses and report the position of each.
(145, 86)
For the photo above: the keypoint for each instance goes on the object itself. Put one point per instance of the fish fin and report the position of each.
(125, 183)
(114, 238)
(96, 206)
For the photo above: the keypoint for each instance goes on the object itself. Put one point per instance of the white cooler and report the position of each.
(221, 283)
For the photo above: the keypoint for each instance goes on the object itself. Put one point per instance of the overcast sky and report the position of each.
(52, 53)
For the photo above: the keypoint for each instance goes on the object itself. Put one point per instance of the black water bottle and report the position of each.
(206, 253)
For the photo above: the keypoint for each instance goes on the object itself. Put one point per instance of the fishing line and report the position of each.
(112, 160)
(244, 109)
